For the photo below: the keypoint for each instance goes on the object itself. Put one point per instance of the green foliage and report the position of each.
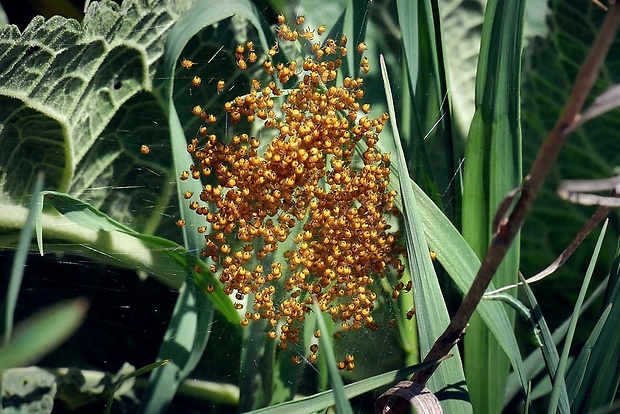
(592, 381)
(425, 282)
(71, 94)
(493, 169)
(79, 100)
(41, 333)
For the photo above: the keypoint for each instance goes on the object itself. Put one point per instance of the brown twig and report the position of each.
(546, 158)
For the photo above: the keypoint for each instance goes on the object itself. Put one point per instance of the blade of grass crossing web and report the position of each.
(492, 170)
(188, 332)
(431, 312)
(431, 135)
(341, 401)
(19, 260)
(555, 393)
(425, 120)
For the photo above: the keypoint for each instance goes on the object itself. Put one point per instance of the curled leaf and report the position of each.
(420, 397)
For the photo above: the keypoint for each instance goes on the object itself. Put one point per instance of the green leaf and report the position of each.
(19, 261)
(593, 379)
(577, 374)
(326, 399)
(461, 264)
(42, 332)
(119, 245)
(534, 363)
(427, 110)
(492, 169)
(462, 27)
(188, 333)
(183, 343)
(82, 214)
(432, 314)
(327, 351)
(555, 394)
(70, 90)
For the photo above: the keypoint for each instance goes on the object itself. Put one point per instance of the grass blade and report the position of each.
(549, 351)
(431, 135)
(119, 382)
(168, 259)
(461, 264)
(19, 261)
(534, 363)
(183, 343)
(431, 308)
(555, 394)
(594, 378)
(341, 401)
(579, 386)
(492, 169)
(42, 332)
(326, 399)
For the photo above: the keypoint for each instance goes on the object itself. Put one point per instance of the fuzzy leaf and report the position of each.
(79, 100)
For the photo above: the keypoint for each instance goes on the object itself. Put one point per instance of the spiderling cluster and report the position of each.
(302, 188)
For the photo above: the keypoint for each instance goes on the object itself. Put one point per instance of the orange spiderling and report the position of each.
(187, 64)
(197, 110)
